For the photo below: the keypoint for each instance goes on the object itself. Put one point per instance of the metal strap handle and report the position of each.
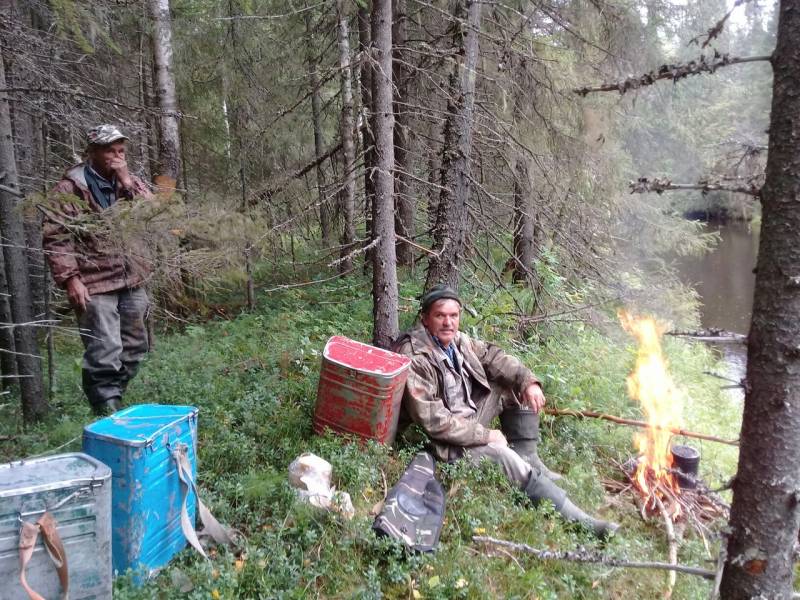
(29, 533)
(211, 527)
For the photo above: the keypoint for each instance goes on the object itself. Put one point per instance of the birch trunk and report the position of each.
(348, 195)
(29, 368)
(384, 266)
(765, 514)
(450, 235)
(169, 149)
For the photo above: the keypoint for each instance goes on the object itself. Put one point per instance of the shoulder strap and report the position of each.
(29, 533)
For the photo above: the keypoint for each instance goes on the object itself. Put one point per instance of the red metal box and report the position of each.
(360, 390)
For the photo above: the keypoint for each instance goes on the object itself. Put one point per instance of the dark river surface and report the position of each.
(724, 280)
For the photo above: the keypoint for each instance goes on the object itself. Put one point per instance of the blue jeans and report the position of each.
(114, 335)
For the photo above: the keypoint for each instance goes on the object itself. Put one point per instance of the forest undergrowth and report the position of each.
(254, 379)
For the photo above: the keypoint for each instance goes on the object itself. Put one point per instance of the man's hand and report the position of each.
(78, 294)
(120, 168)
(533, 397)
(496, 437)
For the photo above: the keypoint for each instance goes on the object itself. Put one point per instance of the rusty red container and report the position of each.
(360, 390)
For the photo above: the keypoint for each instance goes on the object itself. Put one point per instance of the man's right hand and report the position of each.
(496, 437)
(78, 294)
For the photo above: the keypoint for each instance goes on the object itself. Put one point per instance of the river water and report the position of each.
(725, 281)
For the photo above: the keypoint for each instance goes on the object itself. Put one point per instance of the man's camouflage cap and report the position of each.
(440, 291)
(102, 135)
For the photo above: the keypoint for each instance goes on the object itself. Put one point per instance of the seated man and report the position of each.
(456, 387)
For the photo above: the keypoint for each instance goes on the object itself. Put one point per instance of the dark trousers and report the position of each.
(114, 334)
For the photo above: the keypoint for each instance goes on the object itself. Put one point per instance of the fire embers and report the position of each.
(651, 385)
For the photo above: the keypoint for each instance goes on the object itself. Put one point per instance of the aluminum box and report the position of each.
(76, 490)
(360, 389)
(137, 444)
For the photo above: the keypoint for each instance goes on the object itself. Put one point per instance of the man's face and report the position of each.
(105, 158)
(441, 320)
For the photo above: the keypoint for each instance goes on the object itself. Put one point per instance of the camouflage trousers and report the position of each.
(114, 335)
(512, 465)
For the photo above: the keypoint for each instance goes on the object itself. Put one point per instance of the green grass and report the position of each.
(254, 379)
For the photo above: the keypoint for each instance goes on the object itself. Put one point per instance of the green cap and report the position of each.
(440, 291)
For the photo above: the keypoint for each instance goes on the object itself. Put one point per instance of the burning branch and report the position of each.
(673, 72)
(658, 185)
(566, 412)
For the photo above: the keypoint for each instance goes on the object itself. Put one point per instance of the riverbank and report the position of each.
(254, 379)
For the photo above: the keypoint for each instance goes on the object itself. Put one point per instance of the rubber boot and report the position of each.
(541, 488)
(109, 407)
(521, 428)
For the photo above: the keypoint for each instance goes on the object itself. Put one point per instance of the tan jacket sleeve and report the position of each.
(503, 368)
(426, 407)
(57, 241)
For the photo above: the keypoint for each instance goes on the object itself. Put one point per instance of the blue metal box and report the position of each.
(75, 490)
(137, 444)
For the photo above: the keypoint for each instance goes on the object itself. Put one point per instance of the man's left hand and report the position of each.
(120, 168)
(533, 397)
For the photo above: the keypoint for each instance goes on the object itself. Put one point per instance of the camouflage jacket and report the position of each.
(101, 263)
(425, 398)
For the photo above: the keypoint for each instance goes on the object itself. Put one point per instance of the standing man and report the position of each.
(103, 280)
(456, 387)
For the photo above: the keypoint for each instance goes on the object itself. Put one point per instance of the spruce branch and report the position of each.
(673, 72)
(659, 185)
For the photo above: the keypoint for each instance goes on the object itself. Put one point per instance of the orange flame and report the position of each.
(651, 384)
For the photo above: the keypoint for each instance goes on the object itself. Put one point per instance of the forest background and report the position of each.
(505, 181)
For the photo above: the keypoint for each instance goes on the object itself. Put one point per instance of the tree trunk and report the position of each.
(34, 404)
(523, 222)
(384, 266)
(325, 220)
(169, 150)
(348, 195)
(405, 205)
(364, 48)
(450, 235)
(766, 493)
(8, 365)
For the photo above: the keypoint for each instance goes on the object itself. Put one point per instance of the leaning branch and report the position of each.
(565, 412)
(281, 185)
(660, 185)
(583, 556)
(673, 72)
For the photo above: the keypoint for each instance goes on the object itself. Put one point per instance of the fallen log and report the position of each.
(565, 412)
(719, 336)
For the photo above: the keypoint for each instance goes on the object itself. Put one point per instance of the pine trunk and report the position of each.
(405, 205)
(169, 150)
(347, 127)
(384, 266)
(12, 228)
(765, 514)
(8, 365)
(450, 235)
(523, 222)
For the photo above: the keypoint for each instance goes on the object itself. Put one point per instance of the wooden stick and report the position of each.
(584, 556)
(566, 412)
(673, 545)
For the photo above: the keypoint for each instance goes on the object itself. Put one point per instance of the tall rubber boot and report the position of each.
(541, 488)
(521, 428)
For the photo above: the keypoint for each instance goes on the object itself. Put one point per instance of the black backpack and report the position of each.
(413, 511)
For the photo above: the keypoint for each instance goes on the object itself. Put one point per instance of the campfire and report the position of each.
(651, 385)
(658, 485)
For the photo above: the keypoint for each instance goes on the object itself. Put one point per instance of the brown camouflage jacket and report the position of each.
(425, 397)
(99, 261)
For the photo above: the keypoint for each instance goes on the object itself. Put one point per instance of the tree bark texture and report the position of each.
(365, 67)
(325, 213)
(384, 267)
(34, 404)
(766, 493)
(169, 150)
(524, 253)
(450, 235)
(347, 128)
(8, 365)
(405, 205)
